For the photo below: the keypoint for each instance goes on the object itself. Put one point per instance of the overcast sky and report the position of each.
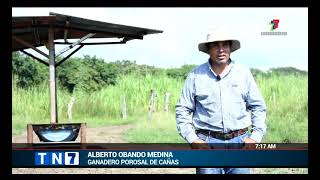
(184, 28)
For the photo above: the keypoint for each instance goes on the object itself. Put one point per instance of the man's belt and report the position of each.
(221, 135)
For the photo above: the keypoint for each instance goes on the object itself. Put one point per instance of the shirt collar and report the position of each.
(225, 73)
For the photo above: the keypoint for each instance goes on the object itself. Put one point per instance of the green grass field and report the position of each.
(286, 98)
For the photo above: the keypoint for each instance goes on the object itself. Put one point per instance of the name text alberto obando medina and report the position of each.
(128, 158)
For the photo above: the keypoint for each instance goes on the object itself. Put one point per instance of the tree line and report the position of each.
(90, 73)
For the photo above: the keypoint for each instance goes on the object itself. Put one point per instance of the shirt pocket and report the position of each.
(237, 103)
(237, 111)
(204, 99)
(206, 93)
(207, 106)
(207, 99)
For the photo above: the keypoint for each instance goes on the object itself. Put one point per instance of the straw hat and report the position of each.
(219, 35)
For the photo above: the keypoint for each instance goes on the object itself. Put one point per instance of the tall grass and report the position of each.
(29, 106)
(135, 88)
(286, 98)
(97, 108)
(287, 107)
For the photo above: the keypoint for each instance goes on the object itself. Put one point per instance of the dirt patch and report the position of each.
(110, 134)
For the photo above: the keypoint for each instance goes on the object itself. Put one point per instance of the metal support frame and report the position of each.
(64, 59)
(75, 43)
(30, 46)
(93, 43)
(52, 66)
(22, 29)
(65, 35)
(38, 59)
(123, 41)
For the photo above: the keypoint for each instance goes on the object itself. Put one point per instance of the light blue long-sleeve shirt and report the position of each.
(231, 103)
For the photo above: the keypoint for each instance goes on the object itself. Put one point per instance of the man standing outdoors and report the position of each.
(223, 99)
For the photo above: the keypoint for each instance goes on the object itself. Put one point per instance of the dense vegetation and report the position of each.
(99, 88)
(87, 73)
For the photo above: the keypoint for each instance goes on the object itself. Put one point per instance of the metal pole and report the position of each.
(52, 78)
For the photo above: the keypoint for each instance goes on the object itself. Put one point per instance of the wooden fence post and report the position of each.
(167, 102)
(83, 133)
(274, 97)
(70, 105)
(29, 134)
(151, 106)
(124, 107)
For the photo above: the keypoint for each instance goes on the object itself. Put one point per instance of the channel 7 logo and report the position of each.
(274, 24)
(56, 158)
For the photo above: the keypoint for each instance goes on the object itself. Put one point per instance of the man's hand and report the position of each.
(249, 140)
(199, 144)
(249, 143)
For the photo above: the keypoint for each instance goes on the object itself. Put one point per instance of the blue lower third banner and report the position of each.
(159, 158)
